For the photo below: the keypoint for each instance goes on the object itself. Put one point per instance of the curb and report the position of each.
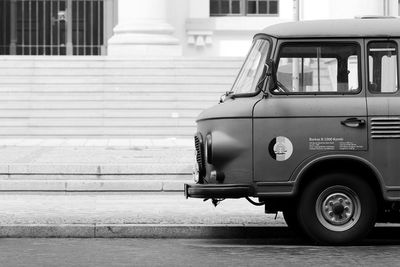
(156, 168)
(92, 185)
(95, 178)
(142, 231)
(380, 232)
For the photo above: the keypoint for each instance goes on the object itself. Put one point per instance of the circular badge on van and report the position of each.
(280, 148)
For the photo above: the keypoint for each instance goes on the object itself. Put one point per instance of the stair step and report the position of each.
(103, 81)
(78, 113)
(148, 132)
(112, 105)
(108, 96)
(112, 88)
(120, 72)
(103, 97)
(96, 122)
(104, 62)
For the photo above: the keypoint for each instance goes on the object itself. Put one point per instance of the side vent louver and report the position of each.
(385, 127)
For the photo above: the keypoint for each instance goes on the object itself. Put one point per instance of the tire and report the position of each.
(291, 219)
(337, 209)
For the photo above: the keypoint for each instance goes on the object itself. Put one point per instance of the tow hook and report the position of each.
(215, 201)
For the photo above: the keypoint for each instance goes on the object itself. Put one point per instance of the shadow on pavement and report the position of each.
(280, 235)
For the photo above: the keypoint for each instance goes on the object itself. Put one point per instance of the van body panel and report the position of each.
(359, 156)
(321, 141)
(312, 124)
(384, 127)
(255, 134)
(233, 154)
(349, 28)
(230, 126)
(231, 108)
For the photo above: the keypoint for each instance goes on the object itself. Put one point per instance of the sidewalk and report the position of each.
(113, 188)
(167, 215)
(80, 165)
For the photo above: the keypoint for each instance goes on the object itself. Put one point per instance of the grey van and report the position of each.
(311, 127)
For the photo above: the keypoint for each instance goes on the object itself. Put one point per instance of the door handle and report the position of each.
(353, 122)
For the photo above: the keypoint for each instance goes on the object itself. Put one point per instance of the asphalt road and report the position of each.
(194, 252)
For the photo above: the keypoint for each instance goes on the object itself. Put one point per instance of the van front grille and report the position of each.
(385, 127)
(198, 142)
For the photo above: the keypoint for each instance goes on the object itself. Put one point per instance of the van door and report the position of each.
(383, 102)
(318, 108)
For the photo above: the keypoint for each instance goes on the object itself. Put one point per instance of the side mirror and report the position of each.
(271, 72)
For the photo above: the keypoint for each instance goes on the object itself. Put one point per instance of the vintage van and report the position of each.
(311, 127)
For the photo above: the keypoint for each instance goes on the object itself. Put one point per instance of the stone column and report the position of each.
(393, 8)
(143, 30)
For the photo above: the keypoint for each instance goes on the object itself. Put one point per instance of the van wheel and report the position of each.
(337, 209)
(290, 216)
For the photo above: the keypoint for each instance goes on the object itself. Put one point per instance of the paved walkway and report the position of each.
(137, 215)
(128, 208)
(95, 164)
(126, 215)
(95, 151)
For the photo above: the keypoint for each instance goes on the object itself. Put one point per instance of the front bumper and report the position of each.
(217, 190)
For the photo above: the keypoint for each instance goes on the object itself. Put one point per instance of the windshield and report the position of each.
(250, 73)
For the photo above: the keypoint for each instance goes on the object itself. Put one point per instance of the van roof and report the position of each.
(361, 27)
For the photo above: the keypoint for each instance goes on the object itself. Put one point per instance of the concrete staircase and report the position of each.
(100, 97)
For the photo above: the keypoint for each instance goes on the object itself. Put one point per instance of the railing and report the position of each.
(52, 27)
(5, 27)
(87, 28)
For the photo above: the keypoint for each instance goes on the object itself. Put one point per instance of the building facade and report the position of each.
(130, 68)
(189, 28)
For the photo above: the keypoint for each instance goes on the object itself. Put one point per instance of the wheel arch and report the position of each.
(340, 163)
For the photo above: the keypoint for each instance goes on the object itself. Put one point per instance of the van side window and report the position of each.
(382, 67)
(309, 68)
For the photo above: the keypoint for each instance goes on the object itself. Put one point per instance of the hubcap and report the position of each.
(338, 208)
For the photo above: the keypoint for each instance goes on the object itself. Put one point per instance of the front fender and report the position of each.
(299, 174)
